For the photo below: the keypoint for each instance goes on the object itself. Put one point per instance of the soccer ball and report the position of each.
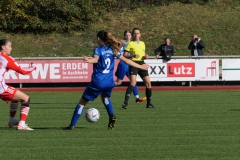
(92, 115)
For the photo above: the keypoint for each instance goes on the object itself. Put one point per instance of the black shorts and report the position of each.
(140, 72)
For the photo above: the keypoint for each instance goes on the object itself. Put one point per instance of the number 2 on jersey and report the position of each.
(107, 62)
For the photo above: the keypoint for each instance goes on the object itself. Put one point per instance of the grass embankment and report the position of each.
(216, 24)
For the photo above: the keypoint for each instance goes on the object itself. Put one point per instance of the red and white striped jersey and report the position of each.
(6, 63)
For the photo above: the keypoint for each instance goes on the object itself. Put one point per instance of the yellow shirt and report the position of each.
(136, 48)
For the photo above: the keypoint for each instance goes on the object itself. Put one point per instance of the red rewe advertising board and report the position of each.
(52, 71)
(180, 69)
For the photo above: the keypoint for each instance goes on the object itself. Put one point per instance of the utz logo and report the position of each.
(180, 69)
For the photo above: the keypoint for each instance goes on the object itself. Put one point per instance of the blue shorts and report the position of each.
(92, 92)
(122, 70)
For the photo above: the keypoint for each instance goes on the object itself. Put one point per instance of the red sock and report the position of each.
(13, 108)
(24, 112)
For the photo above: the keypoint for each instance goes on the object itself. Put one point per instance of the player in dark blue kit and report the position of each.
(102, 81)
(123, 69)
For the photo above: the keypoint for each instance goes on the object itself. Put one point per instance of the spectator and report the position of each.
(196, 46)
(166, 50)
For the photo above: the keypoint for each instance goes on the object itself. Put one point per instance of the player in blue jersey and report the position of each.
(123, 69)
(102, 81)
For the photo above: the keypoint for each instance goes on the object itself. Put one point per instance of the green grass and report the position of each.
(184, 125)
(216, 23)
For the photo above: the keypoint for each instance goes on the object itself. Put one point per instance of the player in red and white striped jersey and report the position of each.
(8, 93)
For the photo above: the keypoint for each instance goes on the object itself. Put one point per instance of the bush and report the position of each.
(45, 15)
(67, 15)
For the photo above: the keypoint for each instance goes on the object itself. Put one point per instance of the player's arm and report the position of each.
(92, 60)
(131, 63)
(13, 65)
(127, 55)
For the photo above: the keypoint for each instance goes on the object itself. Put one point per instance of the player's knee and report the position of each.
(14, 101)
(133, 83)
(148, 84)
(118, 83)
(26, 101)
(83, 101)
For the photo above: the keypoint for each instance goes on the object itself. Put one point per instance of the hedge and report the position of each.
(65, 15)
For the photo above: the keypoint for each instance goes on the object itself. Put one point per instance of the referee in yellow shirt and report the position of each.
(136, 48)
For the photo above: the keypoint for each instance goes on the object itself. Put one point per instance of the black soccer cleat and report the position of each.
(124, 105)
(70, 127)
(112, 120)
(150, 106)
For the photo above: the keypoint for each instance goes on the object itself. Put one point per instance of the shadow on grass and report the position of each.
(53, 103)
(60, 107)
(7, 128)
(233, 110)
(56, 128)
(55, 108)
(75, 128)
(42, 128)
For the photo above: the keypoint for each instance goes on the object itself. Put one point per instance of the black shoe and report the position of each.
(150, 106)
(70, 127)
(112, 120)
(124, 105)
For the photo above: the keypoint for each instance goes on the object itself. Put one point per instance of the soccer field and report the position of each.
(184, 125)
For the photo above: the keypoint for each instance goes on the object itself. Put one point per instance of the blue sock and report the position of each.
(108, 105)
(76, 114)
(135, 90)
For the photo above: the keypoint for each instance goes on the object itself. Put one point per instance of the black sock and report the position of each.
(148, 95)
(128, 93)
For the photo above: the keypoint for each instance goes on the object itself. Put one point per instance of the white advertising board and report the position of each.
(183, 70)
(231, 69)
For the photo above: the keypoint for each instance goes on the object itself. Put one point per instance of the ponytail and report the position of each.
(110, 40)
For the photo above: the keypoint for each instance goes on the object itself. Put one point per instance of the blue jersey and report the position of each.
(123, 68)
(102, 76)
